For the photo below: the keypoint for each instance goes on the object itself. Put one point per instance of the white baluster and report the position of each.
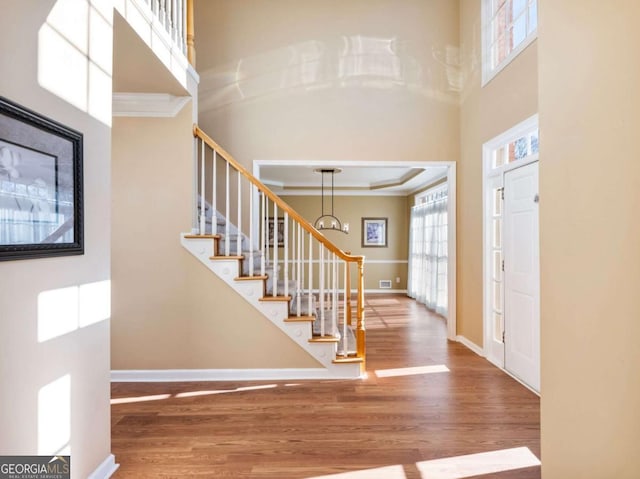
(181, 25)
(322, 298)
(239, 229)
(174, 17)
(310, 272)
(202, 191)
(275, 250)
(286, 254)
(299, 268)
(214, 195)
(266, 229)
(263, 231)
(334, 299)
(251, 228)
(162, 12)
(227, 214)
(345, 341)
(168, 13)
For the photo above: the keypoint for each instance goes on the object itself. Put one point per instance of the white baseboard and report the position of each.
(184, 375)
(471, 345)
(383, 291)
(106, 469)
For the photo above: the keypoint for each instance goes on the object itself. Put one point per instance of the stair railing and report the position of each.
(172, 15)
(299, 263)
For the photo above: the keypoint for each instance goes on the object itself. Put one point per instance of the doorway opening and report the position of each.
(446, 173)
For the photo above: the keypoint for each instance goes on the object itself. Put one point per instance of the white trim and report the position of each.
(182, 375)
(471, 345)
(382, 291)
(525, 126)
(159, 105)
(452, 246)
(106, 469)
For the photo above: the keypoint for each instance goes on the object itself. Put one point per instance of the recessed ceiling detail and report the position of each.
(297, 179)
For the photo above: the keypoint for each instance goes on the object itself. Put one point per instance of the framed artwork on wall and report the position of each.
(271, 231)
(41, 209)
(374, 232)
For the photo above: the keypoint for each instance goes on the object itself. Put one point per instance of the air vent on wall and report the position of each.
(385, 284)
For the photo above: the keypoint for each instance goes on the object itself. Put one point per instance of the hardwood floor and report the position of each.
(397, 419)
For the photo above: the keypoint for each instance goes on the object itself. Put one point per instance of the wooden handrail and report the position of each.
(197, 132)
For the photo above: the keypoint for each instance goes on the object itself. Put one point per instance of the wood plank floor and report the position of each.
(385, 426)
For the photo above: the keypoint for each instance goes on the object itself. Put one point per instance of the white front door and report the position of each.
(522, 274)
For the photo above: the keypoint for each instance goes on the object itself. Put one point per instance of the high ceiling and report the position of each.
(305, 179)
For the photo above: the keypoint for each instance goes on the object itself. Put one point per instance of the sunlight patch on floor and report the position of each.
(387, 373)
(472, 465)
(155, 397)
(225, 391)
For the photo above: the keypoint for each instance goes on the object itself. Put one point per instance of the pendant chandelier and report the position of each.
(328, 221)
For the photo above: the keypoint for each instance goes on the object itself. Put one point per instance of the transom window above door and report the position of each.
(518, 144)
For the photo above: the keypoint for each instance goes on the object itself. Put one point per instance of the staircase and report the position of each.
(277, 261)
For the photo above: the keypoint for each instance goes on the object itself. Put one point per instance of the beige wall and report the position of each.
(589, 178)
(485, 113)
(380, 263)
(169, 311)
(71, 370)
(288, 80)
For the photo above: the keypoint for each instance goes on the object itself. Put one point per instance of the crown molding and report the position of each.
(160, 105)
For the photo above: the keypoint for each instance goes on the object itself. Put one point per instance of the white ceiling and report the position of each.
(290, 179)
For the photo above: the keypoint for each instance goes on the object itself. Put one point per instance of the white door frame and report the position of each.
(490, 178)
(451, 212)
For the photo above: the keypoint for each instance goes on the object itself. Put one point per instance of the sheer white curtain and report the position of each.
(428, 252)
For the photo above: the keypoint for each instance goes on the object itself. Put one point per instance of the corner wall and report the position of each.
(590, 237)
(54, 393)
(485, 112)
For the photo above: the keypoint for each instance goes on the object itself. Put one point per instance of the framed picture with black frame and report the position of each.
(271, 232)
(374, 232)
(41, 198)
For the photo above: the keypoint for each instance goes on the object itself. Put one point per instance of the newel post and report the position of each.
(360, 332)
(191, 49)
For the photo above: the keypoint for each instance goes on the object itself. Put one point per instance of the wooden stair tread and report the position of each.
(202, 236)
(215, 258)
(324, 339)
(276, 298)
(249, 278)
(300, 319)
(347, 360)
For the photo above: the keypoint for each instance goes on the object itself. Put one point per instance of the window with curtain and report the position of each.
(428, 251)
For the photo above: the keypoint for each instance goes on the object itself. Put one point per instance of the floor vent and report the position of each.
(385, 284)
